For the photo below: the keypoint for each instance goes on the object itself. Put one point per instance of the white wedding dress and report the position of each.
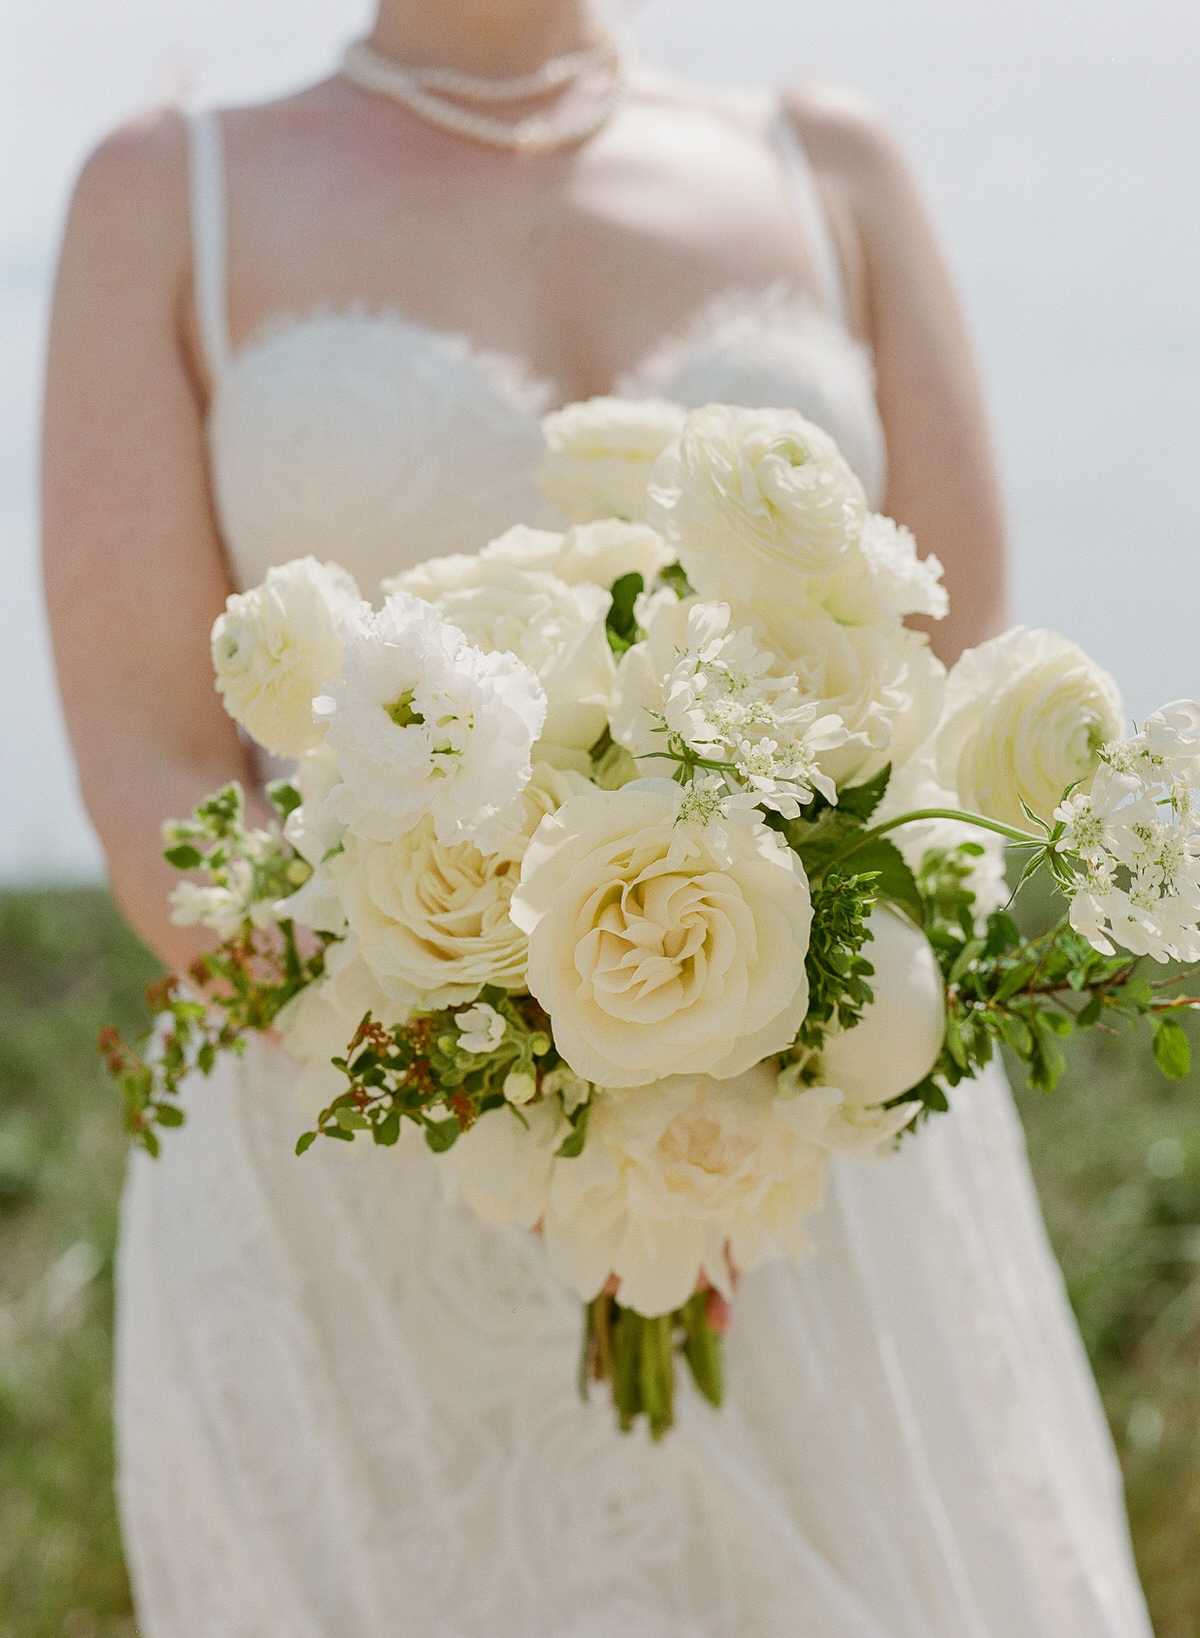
(348, 1410)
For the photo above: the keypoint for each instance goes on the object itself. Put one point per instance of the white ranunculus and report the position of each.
(884, 682)
(275, 647)
(555, 629)
(1026, 715)
(319, 1023)
(659, 946)
(897, 1040)
(502, 1166)
(433, 916)
(599, 455)
(884, 579)
(422, 723)
(597, 553)
(755, 502)
(674, 1174)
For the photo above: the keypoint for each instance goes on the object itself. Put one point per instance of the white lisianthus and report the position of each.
(884, 579)
(422, 723)
(555, 629)
(899, 1037)
(275, 647)
(480, 1028)
(755, 502)
(660, 946)
(431, 916)
(1026, 715)
(599, 455)
(502, 1166)
(597, 553)
(676, 1180)
(885, 682)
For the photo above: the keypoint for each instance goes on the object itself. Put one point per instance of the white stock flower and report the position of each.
(480, 1028)
(276, 646)
(555, 629)
(1026, 715)
(599, 455)
(657, 946)
(597, 553)
(423, 723)
(676, 1176)
(754, 503)
(884, 579)
(432, 917)
(221, 909)
(897, 1040)
(502, 1166)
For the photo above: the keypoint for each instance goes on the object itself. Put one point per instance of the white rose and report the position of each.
(884, 682)
(432, 917)
(423, 723)
(1025, 716)
(598, 553)
(657, 946)
(502, 1166)
(555, 629)
(884, 579)
(599, 455)
(671, 1175)
(754, 503)
(276, 646)
(899, 1037)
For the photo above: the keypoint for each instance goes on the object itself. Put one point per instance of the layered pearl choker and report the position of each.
(423, 91)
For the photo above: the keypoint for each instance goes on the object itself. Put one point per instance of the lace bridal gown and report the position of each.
(347, 1410)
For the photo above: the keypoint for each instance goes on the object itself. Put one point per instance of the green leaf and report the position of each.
(352, 1120)
(894, 880)
(169, 1114)
(441, 1135)
(1089, 1015)
(861, 800)
(1136, 995)
(387, 1131)
(305, 1142)
(621, 624)
(184, 856)
(283, 796)
(674, 577)
(1172, 1050)
(571, 1146)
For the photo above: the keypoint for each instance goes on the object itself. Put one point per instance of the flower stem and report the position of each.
(1010, 832)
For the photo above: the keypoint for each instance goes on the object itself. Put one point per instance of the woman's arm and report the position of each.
(134, 570)
(942, 479)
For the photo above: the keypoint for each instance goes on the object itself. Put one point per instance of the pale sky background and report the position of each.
(1058, 145)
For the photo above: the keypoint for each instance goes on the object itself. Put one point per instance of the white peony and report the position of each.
(1026, 715)
(555, 629)
(423, 723)
(599, 455)
(432, 917)
(677, 1179)
(658, 946)
(275, 647)
(598, 553)
(754, 503)
(884, 579)
(503, 1165)
(899, 1037)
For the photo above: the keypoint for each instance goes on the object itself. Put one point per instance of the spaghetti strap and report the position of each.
(206, 177)
(812, 216)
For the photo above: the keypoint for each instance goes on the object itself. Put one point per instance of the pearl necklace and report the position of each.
(423, 92)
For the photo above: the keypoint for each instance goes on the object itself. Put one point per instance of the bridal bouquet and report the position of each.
(637, 867)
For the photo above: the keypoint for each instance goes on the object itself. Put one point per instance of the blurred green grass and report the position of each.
(1116, 1151)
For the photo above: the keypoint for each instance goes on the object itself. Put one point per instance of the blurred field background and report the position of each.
(1116, 1150)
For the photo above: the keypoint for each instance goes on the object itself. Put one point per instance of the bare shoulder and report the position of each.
(849, 143)
(136, 175)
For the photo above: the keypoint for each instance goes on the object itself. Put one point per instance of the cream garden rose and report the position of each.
(1026, 715)
(677, 1180)
(599, 455)
(431, 918)
(275, 647)
(755, 502)
(658, 946)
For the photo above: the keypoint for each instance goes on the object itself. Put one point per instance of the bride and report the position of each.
(345, 1409)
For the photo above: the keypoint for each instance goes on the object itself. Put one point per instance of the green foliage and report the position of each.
(825, 837)
(673, 576)
(621, 624)
(636, 1356)
(837, 970)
